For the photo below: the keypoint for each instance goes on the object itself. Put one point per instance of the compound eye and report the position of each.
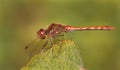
(41, 34)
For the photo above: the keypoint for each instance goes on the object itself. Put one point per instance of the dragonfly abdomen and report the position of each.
(70, 28)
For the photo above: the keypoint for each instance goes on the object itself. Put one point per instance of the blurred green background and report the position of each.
(20, 20)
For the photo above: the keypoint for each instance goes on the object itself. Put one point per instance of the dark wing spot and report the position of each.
(26, 47)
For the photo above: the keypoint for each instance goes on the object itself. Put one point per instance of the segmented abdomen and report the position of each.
(70, 28)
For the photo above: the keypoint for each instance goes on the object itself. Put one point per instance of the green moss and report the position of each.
(64, 55)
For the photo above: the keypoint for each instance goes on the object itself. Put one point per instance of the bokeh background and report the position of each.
(20, 19)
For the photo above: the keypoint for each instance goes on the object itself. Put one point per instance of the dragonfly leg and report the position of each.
(43, 47)
(51, 42)
(60, 48)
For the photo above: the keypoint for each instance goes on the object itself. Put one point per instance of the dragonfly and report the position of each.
(49, 36)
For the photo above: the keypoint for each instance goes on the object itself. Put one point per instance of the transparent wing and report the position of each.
(36, 46)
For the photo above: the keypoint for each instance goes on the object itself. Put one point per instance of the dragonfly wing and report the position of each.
(36, 46)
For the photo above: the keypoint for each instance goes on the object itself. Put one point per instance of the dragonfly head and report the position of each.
(41, 34)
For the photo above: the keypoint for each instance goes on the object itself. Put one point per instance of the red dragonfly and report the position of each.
(56, 30)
